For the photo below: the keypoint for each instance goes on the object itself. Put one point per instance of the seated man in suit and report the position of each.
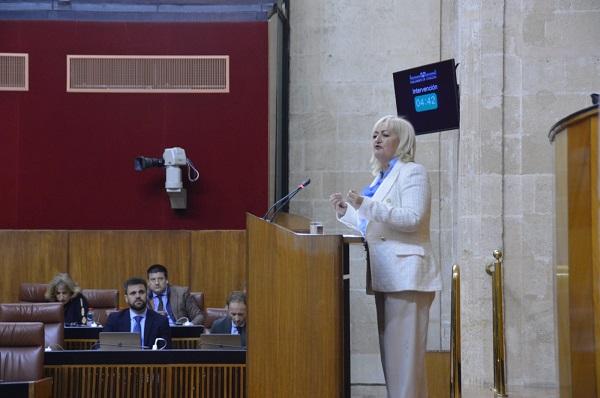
(138, 317)
(235, 321)
(174, 302)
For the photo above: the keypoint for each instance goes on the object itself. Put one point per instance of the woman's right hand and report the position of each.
(338, 203)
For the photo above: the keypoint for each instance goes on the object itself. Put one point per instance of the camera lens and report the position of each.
(142, 162)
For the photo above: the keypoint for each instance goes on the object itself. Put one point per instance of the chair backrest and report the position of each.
(50, 314)
(21, 351)
(102, 302)
(212, 314)
(33, 292)
(199, 298)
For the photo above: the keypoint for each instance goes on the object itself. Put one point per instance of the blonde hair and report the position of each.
(407, 145)
(61, 279)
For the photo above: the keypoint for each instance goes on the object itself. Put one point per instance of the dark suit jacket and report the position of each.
(223, 326)
(73, 313)
(156, 326)
(181, 303)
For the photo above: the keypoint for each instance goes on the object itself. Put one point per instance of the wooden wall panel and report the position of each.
(194, 380)
(30, 256)
(437, 364)
(105, 259)
(210, 261)
(218, 264)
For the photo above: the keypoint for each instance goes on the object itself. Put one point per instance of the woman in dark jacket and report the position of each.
(63, 289)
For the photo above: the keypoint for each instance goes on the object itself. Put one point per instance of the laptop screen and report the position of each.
(220, 342)
(118, 341)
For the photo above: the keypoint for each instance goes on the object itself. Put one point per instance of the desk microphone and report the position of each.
(277, 206)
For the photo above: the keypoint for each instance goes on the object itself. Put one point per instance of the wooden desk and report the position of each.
(84, 337)
(185, 337)
(27, 389)
(148, 374)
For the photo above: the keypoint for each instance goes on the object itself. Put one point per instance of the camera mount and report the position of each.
(173, 159)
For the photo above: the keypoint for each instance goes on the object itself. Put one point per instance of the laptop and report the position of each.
(220, 342)
(119, 341)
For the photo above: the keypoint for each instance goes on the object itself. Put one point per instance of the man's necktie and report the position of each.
(137, 328)
(161, 305)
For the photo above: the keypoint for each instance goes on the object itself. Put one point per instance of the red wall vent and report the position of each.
(148, 73)
(14, 74)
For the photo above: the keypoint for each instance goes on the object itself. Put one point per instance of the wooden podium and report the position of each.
(298, 342)
(577, 255)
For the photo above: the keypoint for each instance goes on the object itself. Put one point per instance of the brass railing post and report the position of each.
(455, 377)
(495, 270)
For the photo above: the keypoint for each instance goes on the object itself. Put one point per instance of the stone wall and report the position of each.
(523, 66)
(551, 65)
(343, 55)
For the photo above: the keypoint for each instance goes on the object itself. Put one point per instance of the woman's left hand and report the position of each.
(354, 199)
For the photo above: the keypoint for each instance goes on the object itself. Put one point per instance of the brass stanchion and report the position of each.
(495, 270)
(455, 377)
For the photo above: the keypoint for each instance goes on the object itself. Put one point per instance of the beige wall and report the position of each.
(551, 65)
(523, 66)
(343, 55)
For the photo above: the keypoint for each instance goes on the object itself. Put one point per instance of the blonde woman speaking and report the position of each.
(393, 215)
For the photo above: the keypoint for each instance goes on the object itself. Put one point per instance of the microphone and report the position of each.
(277, 206)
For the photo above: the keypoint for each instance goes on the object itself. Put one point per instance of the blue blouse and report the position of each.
(370, 190)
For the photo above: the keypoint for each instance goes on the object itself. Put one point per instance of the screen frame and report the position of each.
(448, 90)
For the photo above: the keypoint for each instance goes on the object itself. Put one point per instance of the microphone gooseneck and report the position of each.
(277, 206)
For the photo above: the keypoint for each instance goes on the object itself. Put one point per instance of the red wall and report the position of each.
(67, 158)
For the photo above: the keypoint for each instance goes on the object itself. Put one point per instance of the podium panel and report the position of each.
(296, 318)
(577, 256)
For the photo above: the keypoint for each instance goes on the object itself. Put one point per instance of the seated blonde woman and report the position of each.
(64, 290)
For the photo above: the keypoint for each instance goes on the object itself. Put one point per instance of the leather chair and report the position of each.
(22, 351)
(22, 359)
(199, 299)
(50, 314)
(33, 292)
(102, 302)
(212, 314)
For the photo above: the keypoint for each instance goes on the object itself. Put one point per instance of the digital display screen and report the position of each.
(428, 96)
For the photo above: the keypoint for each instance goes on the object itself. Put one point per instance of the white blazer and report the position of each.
(397, 231)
